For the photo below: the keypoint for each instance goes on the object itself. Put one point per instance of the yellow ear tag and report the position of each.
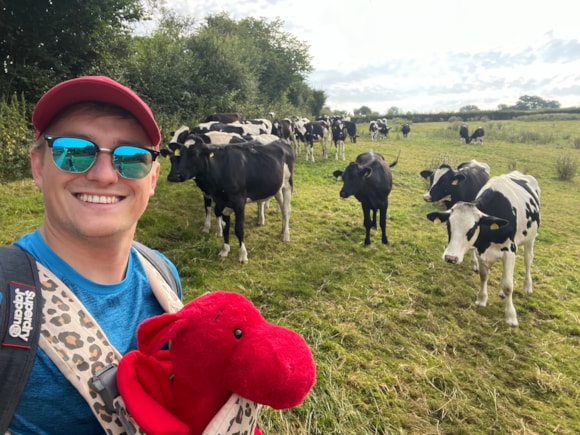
(211, 155)
(455, 182)
(437, 221)
(494, 227)
(177, 153)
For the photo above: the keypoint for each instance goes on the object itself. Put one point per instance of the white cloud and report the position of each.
(425, 55)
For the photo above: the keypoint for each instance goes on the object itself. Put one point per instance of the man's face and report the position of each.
(99, 202)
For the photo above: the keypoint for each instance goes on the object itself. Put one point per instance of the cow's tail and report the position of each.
(392, 165)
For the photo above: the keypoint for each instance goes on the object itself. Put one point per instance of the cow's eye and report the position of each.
(238, 333)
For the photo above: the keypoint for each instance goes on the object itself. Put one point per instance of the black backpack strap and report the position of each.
(160, 264)
(20, 318)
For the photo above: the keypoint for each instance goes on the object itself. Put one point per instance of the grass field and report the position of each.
(399, 344)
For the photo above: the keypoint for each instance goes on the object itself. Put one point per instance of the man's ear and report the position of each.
(36, 165)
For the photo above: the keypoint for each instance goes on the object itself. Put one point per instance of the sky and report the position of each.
(425, 56)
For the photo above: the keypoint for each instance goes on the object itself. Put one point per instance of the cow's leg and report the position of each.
(335, 150)
(528, 260)
(383, 225)
(368, 224)
(507, 288)
(208, 213)
(474, 260)
(261, 212)
(284, 197)
(226, 235)
(481, 300)
(342, 146)
(239, 229)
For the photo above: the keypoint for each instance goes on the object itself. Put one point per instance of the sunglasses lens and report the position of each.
(132, 162)
(72, 154)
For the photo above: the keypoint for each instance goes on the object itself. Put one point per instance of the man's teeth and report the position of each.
(98, 199)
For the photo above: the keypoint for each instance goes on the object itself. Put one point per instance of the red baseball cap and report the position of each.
(93, 88)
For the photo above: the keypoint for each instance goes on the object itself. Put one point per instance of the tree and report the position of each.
(469, 108)
(42, 44)
(527, 102)
(394, 111)
(363, 111)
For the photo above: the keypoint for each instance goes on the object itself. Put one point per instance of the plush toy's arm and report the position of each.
(145, 385)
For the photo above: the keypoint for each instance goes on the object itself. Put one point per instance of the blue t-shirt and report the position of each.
(50, 404)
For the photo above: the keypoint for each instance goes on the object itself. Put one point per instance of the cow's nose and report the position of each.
(427, 197)
(451, 259)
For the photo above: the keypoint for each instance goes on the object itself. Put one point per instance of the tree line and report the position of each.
(184, 68)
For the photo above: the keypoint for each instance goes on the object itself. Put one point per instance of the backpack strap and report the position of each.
(20, 313)
(161, 266)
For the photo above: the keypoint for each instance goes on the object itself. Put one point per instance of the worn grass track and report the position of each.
(399, 344)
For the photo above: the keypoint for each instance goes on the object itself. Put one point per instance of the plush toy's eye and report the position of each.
(238, 333)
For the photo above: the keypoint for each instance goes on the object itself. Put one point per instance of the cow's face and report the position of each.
(464, 224)
(353, 179)
(193, 153)
(441, 183)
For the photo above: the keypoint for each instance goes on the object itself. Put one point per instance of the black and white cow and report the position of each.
(504, 215)
(236, 174)
(373, 130)
(383, 128)
(351, 129)
(173, 151)
(316, 131)
(451, 186)
(286, 129)
(406, 130)
(477, 135)
(339, 134)
(464, 133)
(370, 180)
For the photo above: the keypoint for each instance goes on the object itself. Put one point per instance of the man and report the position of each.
(91, 213)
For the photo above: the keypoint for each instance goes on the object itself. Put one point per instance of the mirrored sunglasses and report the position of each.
(76, 155)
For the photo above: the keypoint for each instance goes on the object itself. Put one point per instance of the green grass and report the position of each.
(399, 344)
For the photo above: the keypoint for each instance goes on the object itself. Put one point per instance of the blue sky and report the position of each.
(426, 55)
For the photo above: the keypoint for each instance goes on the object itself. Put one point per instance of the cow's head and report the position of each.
(441, 183)
(353, 178)
(465, 222)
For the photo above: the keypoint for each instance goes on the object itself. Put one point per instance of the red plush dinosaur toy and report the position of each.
(222, 350)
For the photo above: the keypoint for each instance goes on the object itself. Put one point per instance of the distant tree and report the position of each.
(394, 111)
(528, 102)
(363, 111)
(469, 108)
(318, 102)
(503, 107)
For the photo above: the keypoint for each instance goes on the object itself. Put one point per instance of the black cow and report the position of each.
(504, 215)
(477, 135)
(464, 133)
(173, 151)
(370, 180)
(316, 131)
(351, 129)
(406, 130)
(241, 173)
(339, 134)
(225, 117)
(451, 186)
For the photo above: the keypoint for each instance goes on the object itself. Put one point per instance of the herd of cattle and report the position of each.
(234, 161)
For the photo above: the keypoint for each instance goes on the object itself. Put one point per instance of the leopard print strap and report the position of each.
(237, 416)
(74, 342)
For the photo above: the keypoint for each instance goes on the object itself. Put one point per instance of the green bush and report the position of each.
(14, 140)
(566, 167)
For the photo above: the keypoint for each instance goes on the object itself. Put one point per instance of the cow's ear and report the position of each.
(457, 179)
(337, 174)
(492, 222)
(367, 172)
(426, 173)
(164, 152)
(438, 216)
